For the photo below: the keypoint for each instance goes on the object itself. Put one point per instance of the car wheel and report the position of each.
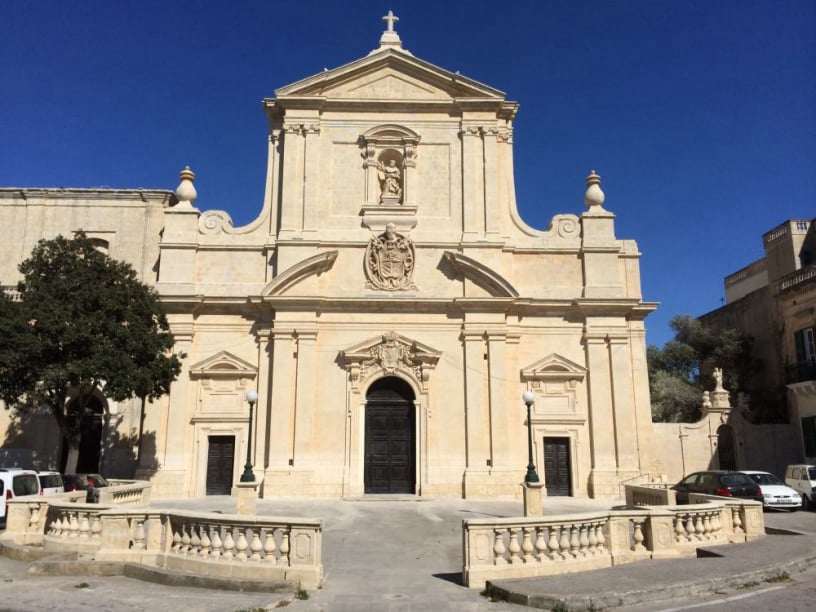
(806, 503)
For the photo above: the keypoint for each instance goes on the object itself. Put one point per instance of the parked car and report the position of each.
(85, 482)
(50, 482)
(15, 482)
(802, 478)
(775, 493)
(718, 482)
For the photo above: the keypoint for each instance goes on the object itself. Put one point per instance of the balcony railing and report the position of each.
(801, 372)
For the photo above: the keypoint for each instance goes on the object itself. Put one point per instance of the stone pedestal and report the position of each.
(247, 494)
(532, 498)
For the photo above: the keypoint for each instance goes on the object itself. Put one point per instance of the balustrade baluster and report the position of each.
(679, 529)
(540, 545)
(229, 544)
(284, 547)
(690, 531)
(716, 524)
(241, 544)
(217, 545)
(592, 540)
(176, 539)
(698, 526)
(707, 525)
(513, 546)
(564, 542)
(195, 540)
(736, 519)
(73, 526)
(206, 542)
(637, 535)
(498, 548)
(575, 543)
(527, 544)
(185, 539)
(583, 540)
(269, 546)
(552, 542)
(255, 545)
(138, 535)
(601, 538)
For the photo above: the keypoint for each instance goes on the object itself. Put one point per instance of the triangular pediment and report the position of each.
(553, 367)
(223, 365)
(390, 74)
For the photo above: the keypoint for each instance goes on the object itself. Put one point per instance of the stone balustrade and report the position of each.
(249, 548)
(26, 521)
(655, 494)
(496, 549)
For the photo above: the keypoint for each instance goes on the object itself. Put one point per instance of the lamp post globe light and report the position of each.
(532, 476)
(248, 476)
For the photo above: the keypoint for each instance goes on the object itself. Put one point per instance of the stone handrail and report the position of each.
(495, 549)
(25, 523)
(125, 492)
(258, 548)
(655, 494)
(122, 528)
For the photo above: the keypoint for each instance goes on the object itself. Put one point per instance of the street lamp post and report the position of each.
(248, 476)
(531, 476)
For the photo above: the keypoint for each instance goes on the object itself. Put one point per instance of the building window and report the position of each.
(805, 346)
(809, 435)
(802, 225)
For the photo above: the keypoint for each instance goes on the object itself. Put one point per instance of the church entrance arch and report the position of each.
(390, 438)
(726, 448)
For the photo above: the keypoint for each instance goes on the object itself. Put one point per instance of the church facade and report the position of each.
(388, 304)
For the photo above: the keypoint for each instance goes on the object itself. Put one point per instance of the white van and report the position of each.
(50, 482)
(802, 477)
(15, 482)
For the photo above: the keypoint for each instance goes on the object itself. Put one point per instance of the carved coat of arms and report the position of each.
(389, 261)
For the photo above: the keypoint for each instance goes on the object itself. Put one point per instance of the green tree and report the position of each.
(83, 324)
(682, 369)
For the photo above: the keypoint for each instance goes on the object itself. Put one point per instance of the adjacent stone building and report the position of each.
(774, 300)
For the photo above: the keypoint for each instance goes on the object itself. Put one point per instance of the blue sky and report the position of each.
(699, 115)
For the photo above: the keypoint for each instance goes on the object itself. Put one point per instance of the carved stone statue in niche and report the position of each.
(390, 182)
(389, 261)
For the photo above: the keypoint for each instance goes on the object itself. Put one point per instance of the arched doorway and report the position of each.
(726, 448)
(390, 434)
(90, 422)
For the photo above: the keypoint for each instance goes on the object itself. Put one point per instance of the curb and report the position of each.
(657, 593)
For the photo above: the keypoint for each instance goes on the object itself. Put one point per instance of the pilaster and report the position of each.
(491, 187)
(472, 181)
(175, 449)
(478, 451)
(281, 399)
(626, 442)
(498, 406)
(293, 166)
(307, 379)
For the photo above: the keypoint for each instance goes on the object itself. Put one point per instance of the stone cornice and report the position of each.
(91, 193)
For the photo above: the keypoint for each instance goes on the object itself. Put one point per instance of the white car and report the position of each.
(775, 493)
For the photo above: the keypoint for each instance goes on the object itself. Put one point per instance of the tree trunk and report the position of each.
(73, 456)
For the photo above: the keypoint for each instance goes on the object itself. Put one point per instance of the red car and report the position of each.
(85, 482)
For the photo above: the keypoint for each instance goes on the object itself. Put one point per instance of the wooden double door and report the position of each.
(390, 438)
(557, 466)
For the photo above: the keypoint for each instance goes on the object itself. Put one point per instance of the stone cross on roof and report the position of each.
(390, 18)
(390, 38)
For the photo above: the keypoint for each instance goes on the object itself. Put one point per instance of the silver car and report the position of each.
(775, 493)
